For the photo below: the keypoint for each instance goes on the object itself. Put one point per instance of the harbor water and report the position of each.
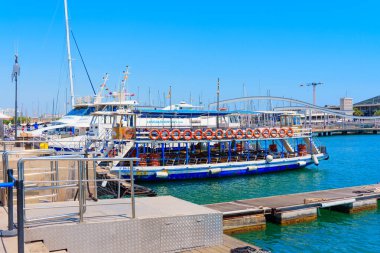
(354, 160)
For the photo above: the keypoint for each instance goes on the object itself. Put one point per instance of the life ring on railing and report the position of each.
(187, 134)
(282, 133)
(198, 134)
(175, 134)
(208, 134)
(230, 133)
(290, 132)
(164, 134)
(219, 134)
(239, 134)
(154, 134)
(256, 133)
(265, 133)
(273, 132)
(248, 133)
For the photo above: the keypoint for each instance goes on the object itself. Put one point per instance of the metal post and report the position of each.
(118, 183)
(163, 154)
(80, 197)
(95, 183)
(10, 201)
(20, 216)
(229, 151)
(132, 190)
(187, 153)
(208, 152)
(217, 104)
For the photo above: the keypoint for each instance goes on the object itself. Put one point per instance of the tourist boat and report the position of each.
(205, 150)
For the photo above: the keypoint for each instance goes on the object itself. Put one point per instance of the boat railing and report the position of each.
(81, 185)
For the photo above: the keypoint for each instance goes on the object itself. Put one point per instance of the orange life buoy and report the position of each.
(198, 134)
(257, 133)
(154, 134)
(112, 153)
(265, 133)
(290, 132)
(249, 133)
(282, 133)
(175, 134)
(219, 134)
(239, 134)
(273, 132)
(230, 133)
(187, 134)
(208, 134)
(164, 134)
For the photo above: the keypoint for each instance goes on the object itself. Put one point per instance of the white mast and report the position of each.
(69, 55)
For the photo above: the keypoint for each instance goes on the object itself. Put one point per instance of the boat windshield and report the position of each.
(81, 111)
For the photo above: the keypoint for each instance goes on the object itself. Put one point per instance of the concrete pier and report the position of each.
(248, 214)
(357, 206)
(244, 223)
(294, 217)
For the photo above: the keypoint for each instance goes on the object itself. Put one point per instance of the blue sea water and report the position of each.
(354, 160)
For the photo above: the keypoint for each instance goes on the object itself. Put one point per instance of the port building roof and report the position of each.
(370, 101)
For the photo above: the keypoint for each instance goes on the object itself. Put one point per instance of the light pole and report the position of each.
(217, 104)
(15, 74)
(314, 90)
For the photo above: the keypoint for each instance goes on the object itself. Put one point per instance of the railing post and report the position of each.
(95, 183)
(132, 189)
(118, 184)
(10, 201)
(80, 197)
(20, 215)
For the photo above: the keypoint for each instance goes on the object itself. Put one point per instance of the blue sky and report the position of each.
(267, 45)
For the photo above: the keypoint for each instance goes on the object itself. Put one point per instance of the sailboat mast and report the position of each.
(69, 55)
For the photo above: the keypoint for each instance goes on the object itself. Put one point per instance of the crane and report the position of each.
(314, 89)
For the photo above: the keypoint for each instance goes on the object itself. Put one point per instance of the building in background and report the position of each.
(369, 106)
(346, 106)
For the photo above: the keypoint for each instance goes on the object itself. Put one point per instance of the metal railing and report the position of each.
(80, 184)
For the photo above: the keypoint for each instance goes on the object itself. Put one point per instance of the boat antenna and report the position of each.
(98, 98)
(69, 55)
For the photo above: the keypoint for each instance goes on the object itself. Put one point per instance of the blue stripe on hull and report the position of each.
(180, 175)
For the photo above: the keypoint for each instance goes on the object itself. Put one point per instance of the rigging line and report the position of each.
(84, 65)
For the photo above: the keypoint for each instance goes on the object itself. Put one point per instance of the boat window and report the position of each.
(81, 111)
